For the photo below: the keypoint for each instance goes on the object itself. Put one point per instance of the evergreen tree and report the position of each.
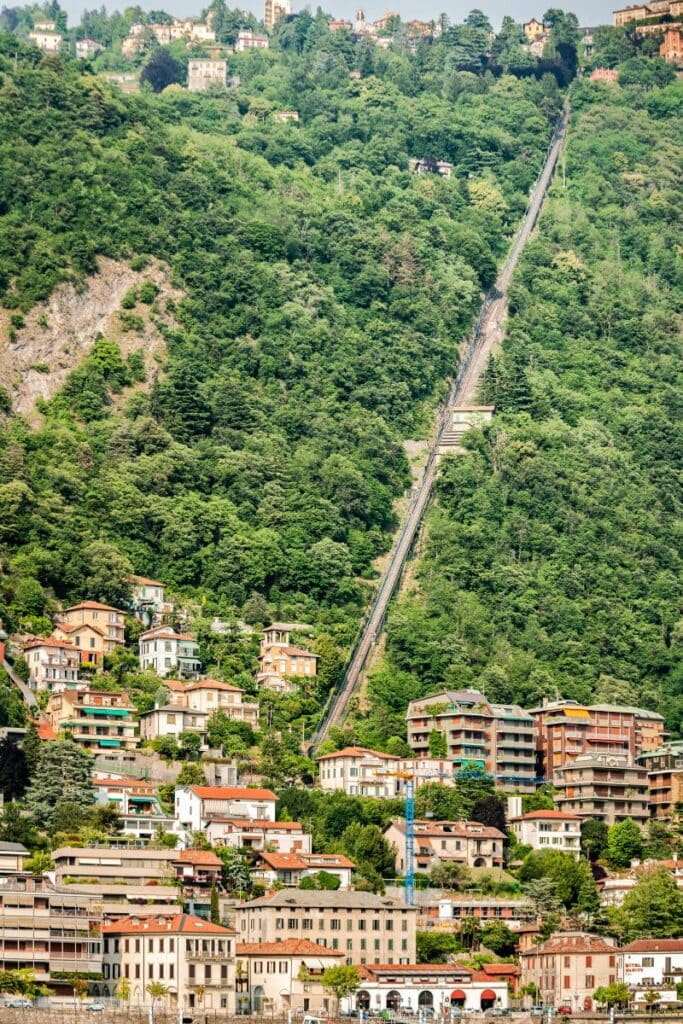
(652, 909)
(588, 899)
(62, 784)
(13, 772)
(31, 748)
(490, 810)
(215, 913)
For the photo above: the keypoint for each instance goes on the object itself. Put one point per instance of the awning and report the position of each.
(117, 712)
(488, 993)
(457, 993)
(109, 743)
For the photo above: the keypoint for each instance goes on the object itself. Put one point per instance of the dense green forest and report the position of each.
(326, 288)
(551, 563)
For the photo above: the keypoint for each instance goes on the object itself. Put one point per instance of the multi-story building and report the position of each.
(50, 930)
(249, 40)
(138, 807)
(671, 48)
(279, 659)
(567, 969)
(241, 833)
(463, 842)
(166, 652)
(548, 830)
(428, 165)
(359, 771)
(340, 25)
(437, 991)
(148, 597)
(565, 729)
(201, 74)
(274, 11)
(186, 29)
(448, 913)
(46, 37)
(365, 927)
(603, 786)
(197, 806)
(533, 29)
(110, 621)
(94, 718)
(291, 868)
(12, 857)
(86, 48)
(652, 9)
(283, 978)
(190, 705)
(498, 738)
(665, 779)
(114, 865)
(52, 663)
(652, 964)
(191, 957)
(89, 641)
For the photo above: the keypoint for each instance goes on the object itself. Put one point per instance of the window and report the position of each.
(292, 923)
(171, 970)
(335, 924)
(390, 944)
(404, 925)
(283, 967)
(279, 923)
(589, 961)
(361, 925)
(375, 926)
(270, 967)
(150, 970)
(137, 970)
(377, 944)
(335, 943)
(207, 972)
(363, 945)
(389, 926)
(648, 961)
(307, 924)
(567, 981)
(613, 961)
(567, 961)
(190, 971)
(349, 944)
(590, 981)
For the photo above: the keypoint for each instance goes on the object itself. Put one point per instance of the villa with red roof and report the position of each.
(279, 660)
(53, 664)
(191, 704)
(285, 976)
(549, 830)
(196, 806)
(291, 868)
(168, 653)
(105, 618)
(360, 771)
(193, 959)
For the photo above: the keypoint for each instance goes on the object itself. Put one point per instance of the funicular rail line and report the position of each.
(462, 390)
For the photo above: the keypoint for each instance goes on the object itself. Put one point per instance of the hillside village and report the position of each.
(171, 839)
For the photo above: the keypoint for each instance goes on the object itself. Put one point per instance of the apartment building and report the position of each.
(248, 40)
(602, 786)
(201, 74)
(110, 621)
(664, 768)
(279, 659)
(463, 842)
(190, 706)
(94, 718)
(242, 833)
(168, 653)
(448, 913)
(498, 738)
(549, 830)
(567, 969)
(365, 927)
(274, 11)
(652, 9)
(359, 771)
(138, 807)
(45, 36)
(196, 806)
(12, 858)
(89, 641)
(284, 977)
(648, 964)
(566, 729)
(53, 664)
(114, 865)
(192, 958)
(671, 48)
(49, 930)
(292, 868)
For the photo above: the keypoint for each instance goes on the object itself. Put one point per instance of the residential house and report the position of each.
(565, 729)
(102, 616)
(359, 771)
(533, 29)
(12, 858)
(196, 806)
(283, 116)
(609, 75)
(50, 930)
(86, 48)
(665, 779)
(52, 664)
(249, 40)
(138, 807)
(340, 25)
(652, 964)
(241, 833)
(279, 659)
(283, 978)
(567, 969)
(498, 738)
(192, 958)
(114, 865)
(671, 48)
(201, 74)
(46, 37)
(291, 868)
(274, 11)
(198, 868)
(172, 721)
(186, 29)
(462, 842)
(94, 718)
(166, 652)
(438, 991)
(546, 829)
(602, 786)
(90, 641)
(365, 927)
(148, 597)
(209, 695)
(427, 165)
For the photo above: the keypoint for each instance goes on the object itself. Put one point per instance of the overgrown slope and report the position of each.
(552, 564)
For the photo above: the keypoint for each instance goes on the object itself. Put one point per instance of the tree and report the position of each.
(472, 783)
(559, 868)
(438, 801)
(490, 810)
(594, 836)
(541, 893)
(156, 990)
(62, 781)
(236, 876)
(588, 899)
(651, 999)
(215, 913)
(31, 748)
(616, 994)
(368, 848)
(321, 880)
(161, 69)
(624, 843)
(107, 574)
(123, 991)
(341, 981)
(497, 937)
(13, 769)
(435, 947)
(190, 743)
(469, 932)
(438, 746)
(449, 875)
(652, 909)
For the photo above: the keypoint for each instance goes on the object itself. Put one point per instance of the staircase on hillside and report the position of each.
(461, 419)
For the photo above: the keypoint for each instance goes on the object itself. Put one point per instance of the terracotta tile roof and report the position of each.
(168, 634)
(293, 652)
(207, 858)
(547, 816)
(160, 924)
(572, 942)
(654, 946)
(284, 861)
(501, 969)
(260, 826)
(45, 730)
(126, 784)
(144, 581)
(67, 627)
(444, 829)
(331, 860)
(288, 947)
(367, 970)
(175, 685)
(95, 606)
(50, 641)
(232, 793)
(357, 752)
(212, 684)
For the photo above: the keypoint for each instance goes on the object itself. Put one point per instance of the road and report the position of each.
(488, 332)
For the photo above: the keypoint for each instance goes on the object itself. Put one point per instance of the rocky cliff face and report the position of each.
(59, 333)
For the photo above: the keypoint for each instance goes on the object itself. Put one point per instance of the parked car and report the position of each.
(95, 1007)
(18, 1003)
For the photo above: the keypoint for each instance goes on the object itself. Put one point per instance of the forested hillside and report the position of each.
(325, 291)
(551, 563)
